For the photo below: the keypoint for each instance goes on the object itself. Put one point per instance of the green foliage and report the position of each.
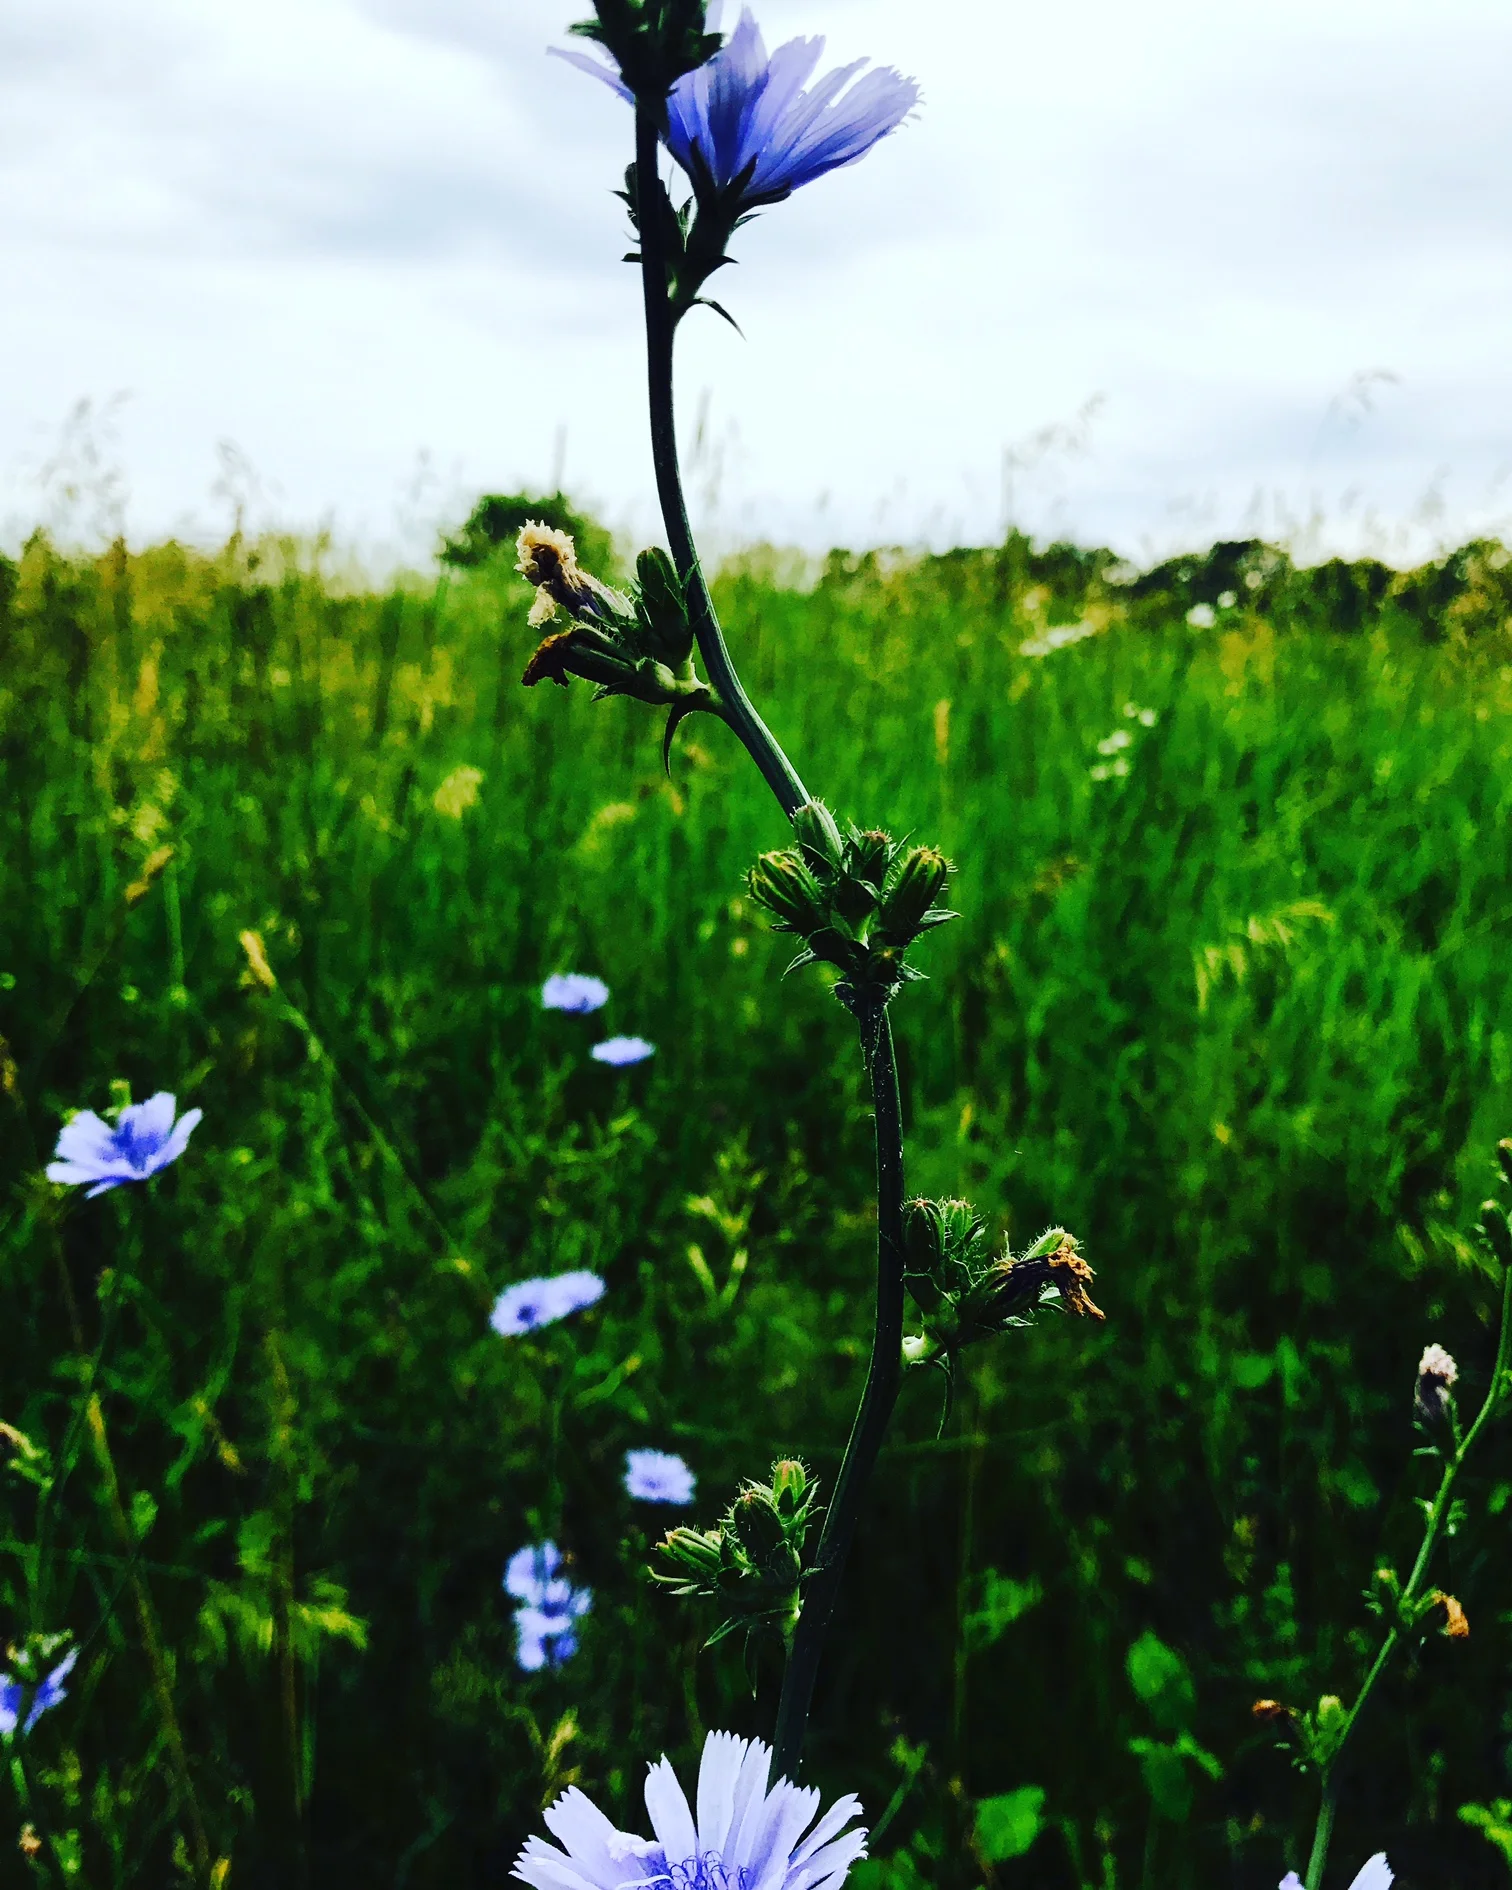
(1270, 1158)
(1494, 1822)
(1008, 1824)
(497, 519)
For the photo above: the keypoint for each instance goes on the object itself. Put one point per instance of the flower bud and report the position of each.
(758, 1526)
(915, 889)
(792, 1489)
(1498, 1235)
(941, 1241)
(818, 834)
(1270, 1712)
(692, 1553)
(868, 856)
(663, 608)
(785, 886)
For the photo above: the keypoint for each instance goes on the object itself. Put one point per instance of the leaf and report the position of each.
(1003, 1602)
(1163, 1681)
(1007, 1825)
(1166, 1779)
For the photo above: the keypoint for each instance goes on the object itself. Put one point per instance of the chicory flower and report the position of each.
(657, 1476)
(144, 1139)
(574, 992)
(744, 125)
(621, 1051)
(13, 1696)
(744, 1834)
(1376, 1875)
(546, 1621)
(530, 1303)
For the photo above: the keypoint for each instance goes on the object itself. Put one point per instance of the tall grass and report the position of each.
(1231, 998)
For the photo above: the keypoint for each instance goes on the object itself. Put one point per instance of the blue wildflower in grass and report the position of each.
(574, 992)
(657, 1476)
(745, 1837)
(744, 126)
(620, 1051)
(1376, 1875)
(144, 1139)
(13, 1696)
(550, 1606)
(530, 1303)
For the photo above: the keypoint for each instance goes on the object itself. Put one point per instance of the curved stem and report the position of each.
(877, 1400)
(736, 707)
(1437, 1517)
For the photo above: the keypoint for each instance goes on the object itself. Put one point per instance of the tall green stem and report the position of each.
(822, 1588)
(735, 705)
(1437, 1516)
(883, 1375)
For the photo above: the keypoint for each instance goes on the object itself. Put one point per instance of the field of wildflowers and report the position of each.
(526, 1212)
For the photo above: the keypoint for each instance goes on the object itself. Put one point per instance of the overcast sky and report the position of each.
(1143, 272)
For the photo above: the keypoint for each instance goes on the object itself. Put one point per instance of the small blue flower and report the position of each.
(574, 992)
(620, 1051)
(657, 1476)
(546, 1621)
(48, 1694)
(531, 1303)
(547, 1640)
(746, 122)
(144, 1139)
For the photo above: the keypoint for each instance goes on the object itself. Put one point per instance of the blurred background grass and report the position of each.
(1230, 998)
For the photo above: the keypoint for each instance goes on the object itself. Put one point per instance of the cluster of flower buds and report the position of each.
(638, 645)
(857, 899)
(653, 42)
(1386, 1597)
(752, 1563)
(965, 1292)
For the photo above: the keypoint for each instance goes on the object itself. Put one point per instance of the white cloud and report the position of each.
(342, 231)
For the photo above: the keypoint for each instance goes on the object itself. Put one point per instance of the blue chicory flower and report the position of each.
(47, 1695)
(574, 992)
(531, 1303)
(657, 1476)
(744, 118)
(1376, 1875)
(144, 1139)
(546, 1621)
(743, 1835)
(620, 1051)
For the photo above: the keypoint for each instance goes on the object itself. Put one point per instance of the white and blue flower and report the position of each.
(1376, 1875)
(619, 1052)
(531, 1303)
(745, 123)
(574, 992)
(550, 1606)
(658, 1476)
(145, 1138)
(14, 1702)
(745, 1837)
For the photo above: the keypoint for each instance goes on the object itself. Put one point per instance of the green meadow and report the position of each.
(1230, 997)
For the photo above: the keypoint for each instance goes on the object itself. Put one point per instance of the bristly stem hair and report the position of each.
(885, 1367)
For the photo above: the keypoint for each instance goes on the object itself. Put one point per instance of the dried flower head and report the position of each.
(1069, 1275)
(1437, 1371)
(1456, 1621)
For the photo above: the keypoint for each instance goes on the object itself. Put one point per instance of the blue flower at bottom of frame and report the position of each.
(1375, 1875)
(744, 1834)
